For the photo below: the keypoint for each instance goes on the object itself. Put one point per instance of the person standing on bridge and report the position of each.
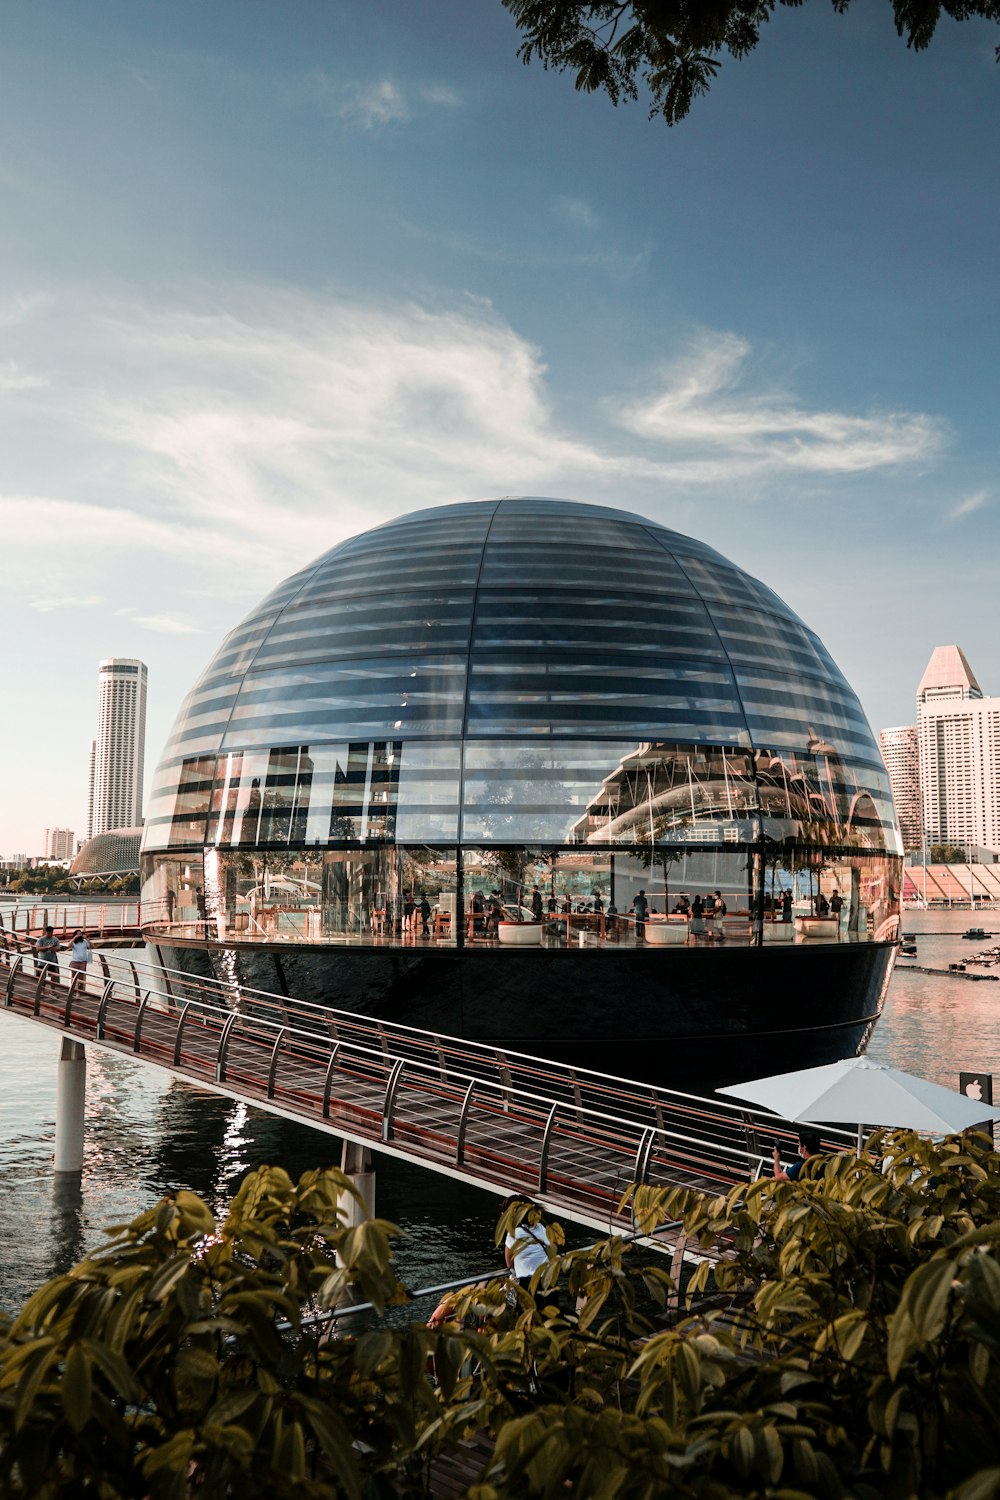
(79, 953)
(46, 956)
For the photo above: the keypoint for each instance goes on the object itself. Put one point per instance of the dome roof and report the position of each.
(115, 852)
(470, 639)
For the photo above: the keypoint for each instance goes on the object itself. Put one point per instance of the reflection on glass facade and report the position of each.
(524, 700)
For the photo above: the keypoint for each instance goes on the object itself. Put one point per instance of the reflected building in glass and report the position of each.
(538, 773)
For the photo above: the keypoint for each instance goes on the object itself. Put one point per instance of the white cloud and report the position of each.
(376, 104)
(168, 625)
(47, 604)
(439, 94)
(703, 407)
(13, 378)
(578, 212)
(976, 501)
(215, 449)
(372, 105)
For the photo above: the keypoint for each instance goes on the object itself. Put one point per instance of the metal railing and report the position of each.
(95, 918)
(503, 1120)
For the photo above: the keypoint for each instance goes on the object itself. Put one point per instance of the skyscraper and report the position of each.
(90, 789)
(58, 843)
(121, 742)
(900, 749)
(959, 731)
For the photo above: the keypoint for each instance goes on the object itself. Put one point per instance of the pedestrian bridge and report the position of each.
(105, 922)
(575, 1141)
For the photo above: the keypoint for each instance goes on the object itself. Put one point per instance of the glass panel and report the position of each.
(515, 792)
(362, 627)
(173, 891)
(675, 794)
(405, 696)
(179, 804)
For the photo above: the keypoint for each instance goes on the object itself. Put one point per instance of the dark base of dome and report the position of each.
(689, 1019)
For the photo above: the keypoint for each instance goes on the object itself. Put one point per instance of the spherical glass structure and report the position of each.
(548, 706)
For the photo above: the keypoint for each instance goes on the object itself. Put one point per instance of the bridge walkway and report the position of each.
(105, 923)
(506, 1122)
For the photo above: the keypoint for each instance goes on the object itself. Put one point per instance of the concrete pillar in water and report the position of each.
(71, 1095)
(357, 1164)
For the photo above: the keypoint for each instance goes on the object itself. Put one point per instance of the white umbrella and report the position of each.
(857, 1091)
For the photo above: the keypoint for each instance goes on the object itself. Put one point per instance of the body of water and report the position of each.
(148, 1133)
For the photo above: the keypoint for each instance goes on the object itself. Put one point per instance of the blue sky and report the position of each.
(272, 273)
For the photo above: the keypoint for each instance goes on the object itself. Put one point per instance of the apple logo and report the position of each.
(974, 1089)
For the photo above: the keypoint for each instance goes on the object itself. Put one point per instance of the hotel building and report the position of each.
(959, 735)
(117, 760)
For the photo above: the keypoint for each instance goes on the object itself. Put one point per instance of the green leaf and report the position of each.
(292, 1452)
(76, 1388)
(335, 1440)
(770, 1454)
(984, 1485)
(197, 1364)
(30, 1382)
(231, 1406)
(114, 1368)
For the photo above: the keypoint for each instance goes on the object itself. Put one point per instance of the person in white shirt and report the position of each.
(526, 1247)
(79, 953)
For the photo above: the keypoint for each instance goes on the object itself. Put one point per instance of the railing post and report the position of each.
(390, 1098)
(73, 986)
(220, 1061)
(543, 1156)
(17, 962)
(503, 1068)
(102, 1009)
(42, 981)
(272, 1070)
(177, 1035)
(328, 1081)
(641, 1168)
(137, 1037)
(463, 1121)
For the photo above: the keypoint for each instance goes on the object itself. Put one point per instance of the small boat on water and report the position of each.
(975, 933)
(909, 949)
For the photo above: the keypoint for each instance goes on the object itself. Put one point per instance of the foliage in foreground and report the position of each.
(863, 1361)
(674, 47)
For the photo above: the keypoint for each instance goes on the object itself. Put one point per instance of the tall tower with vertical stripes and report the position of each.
(121, 742)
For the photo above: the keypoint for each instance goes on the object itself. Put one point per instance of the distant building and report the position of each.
(107, 856)
(900, 749)
(120, 746)
(959, 734)
(90, 789)
(58, 843)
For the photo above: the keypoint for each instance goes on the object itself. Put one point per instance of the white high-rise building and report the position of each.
(900, 749)
(90, 789)
(959, 733)
(121, 743)
(58, 843)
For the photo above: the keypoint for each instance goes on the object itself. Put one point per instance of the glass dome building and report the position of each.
(542, 773)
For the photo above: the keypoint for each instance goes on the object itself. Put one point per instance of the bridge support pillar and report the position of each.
(356, 1163)
(71, 1095)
